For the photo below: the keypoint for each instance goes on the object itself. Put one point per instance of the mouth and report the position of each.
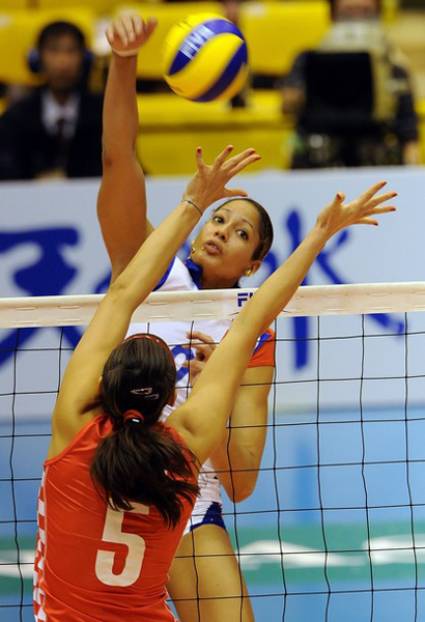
(211, 248)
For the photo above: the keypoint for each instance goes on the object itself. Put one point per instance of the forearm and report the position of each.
(121, 204)
(238, 456)
(153, 257)
(277, 291)
(237, 460)
(120, 115)
(236, 348)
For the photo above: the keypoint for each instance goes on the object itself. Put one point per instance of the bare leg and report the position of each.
(206, 583)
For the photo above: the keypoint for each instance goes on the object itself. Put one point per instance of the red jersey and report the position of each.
(264, 352)
(92, 563)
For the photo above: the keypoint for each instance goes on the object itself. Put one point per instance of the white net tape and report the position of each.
(217, 304)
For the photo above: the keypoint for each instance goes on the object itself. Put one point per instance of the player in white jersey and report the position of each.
(207, 587)
(179, 278)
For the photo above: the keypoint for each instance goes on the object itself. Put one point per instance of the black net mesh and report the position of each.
(335, 529)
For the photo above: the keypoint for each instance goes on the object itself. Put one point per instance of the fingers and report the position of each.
(150, 25)
(221, 158)
(239, 157)
(130, 28)
(195, 367)
(234, 192)
(197, 334)
(244, 163)
(121, 31)
(138, 25)
(381, 199)
(370, 192)
(199, 158)
(338, 199)
(110, 34)
(367, 221)
(128, 25)
(202, 343)
(384, 210)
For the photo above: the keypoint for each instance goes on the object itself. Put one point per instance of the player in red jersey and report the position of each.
(118, 485)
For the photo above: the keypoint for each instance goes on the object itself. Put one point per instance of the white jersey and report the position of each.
(179, 278)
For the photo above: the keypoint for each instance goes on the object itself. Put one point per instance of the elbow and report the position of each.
(118, 289)
(239, 491)
(115, 153)
(241, 495)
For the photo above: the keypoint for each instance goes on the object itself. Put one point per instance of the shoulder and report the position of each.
(264, 352)
(25, 108)
(176, 278)
(94, 427)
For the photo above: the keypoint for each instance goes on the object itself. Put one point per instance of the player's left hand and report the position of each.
(209, 182)
(204, 346)
(128, 33)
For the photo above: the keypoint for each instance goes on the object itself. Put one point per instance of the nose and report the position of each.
(222, 233)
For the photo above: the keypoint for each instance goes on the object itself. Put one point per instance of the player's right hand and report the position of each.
(361, 211)
(128, 33)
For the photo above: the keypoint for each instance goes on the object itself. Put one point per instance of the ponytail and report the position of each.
(144, 464)
(140, 461)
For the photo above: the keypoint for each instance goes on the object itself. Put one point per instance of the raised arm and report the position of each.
(109, 325)
(121, 202)
(202, 418)
(237, 458)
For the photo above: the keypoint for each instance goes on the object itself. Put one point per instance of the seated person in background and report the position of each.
(56, 130)
(330, 130)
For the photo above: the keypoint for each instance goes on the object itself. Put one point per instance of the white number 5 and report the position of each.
(112, 532)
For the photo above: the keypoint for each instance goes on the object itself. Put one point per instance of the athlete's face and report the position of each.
(226, 243)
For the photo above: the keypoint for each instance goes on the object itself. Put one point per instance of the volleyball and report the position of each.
(205, 58)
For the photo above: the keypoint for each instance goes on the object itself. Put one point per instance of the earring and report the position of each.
(248, 272)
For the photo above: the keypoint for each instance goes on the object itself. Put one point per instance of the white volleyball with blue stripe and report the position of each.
(205, 58)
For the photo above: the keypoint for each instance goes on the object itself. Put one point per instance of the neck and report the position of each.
(214, 282)
(218, 283)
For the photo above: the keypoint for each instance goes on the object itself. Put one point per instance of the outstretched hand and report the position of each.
(362, 211)
(209, 183)
(128, 33)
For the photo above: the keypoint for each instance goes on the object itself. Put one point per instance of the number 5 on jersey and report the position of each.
(135, 544)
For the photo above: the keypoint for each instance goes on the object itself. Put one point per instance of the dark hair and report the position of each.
(265, 229)
(59, 29)
(141, 461)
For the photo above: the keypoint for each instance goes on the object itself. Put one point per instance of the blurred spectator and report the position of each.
(56, 130)
(351, 98)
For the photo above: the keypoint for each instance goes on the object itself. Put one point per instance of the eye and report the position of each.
(243, 234)
(218, 218)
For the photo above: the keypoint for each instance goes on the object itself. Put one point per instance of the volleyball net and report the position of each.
(335, 528)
